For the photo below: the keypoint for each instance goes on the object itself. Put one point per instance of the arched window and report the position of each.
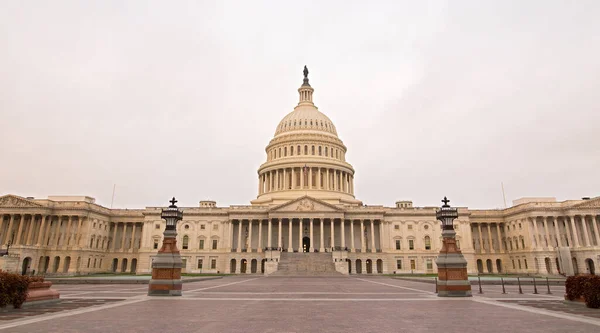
(313, 150)
(299, 150)
(292, 151)
(279, 153)
(305, 150)
(522, 243)
(284, 151)
(186, 241)
(336, 153)
(319, 150)
(427, 243)
(92, 242)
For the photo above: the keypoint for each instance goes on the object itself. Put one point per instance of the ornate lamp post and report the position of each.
(166, 267)
(452, 265)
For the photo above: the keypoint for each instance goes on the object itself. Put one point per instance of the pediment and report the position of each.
(13, 201)
(592, 203)
(305, 204)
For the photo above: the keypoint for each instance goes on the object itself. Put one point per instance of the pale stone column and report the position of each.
(322, 248)
(499, 237)
(293, 178)
(30, 230)
(595, 222)
(302, 177)
(489, 230)
(9, 230)
(327, 187)
(239, 238)
(537, 232)
(557, 231)
(249, 235)
(114, 236)
(123, 237)
(343, 237)
(547, 232)
(340, 181)
(300, 236)
(568, 230)
(41, 232)
(585, 231)
(312, 240)
(481, 247)
(310, 174)
(290, 225)
(362, 237)
(54, 235)
(373, 248)
(259, 182)
(20, 230)
(270, 232)
(319, 185)
(279, 245)
(575, 235)
(332, 224)
(285, 180)
(259, 246)
(68, 234)
(352, 248)
(133, 232)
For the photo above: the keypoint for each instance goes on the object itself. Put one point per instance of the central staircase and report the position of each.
(306, 264)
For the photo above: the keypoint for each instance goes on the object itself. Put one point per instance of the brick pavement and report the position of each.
(292, 304)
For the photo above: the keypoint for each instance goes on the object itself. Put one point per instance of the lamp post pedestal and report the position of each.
(453, 280)
(167, 264)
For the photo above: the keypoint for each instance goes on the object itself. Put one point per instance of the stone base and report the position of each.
(165, 288)
(456, 288)
(41, 292)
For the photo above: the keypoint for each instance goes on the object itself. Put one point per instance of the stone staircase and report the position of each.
(306, 264)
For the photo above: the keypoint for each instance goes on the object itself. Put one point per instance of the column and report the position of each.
(499, 237)
(569, 238)
(557, 231)
(352, 248)
(547, 232)
(585, 231)
(310, 173)
(362, 237)
(319, 185)
(290, 248)
(279, 245)
(595, 222)
(9, 230)
(67, 240)
(133, 236)
(537, 233)
(373, 248)
(285, 186)
(30, 230)
(239, 238)
(123, 236)
(114, 236)
(20, 230)
(327, 180)
(322, 248)
(332, 222)
(270, 232)
(78, 233)
(41, 233)
(489, 229)
(481, 247)
(58, 228)
(293, 178)
(342, 222)
(259, 235)
(302, 177)
(312, 240)
(300, 233)
(575, 235)
(249, 236)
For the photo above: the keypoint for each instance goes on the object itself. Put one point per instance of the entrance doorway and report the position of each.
(243, 265)
(369, 266)
(305, 244)
(590, 266)
(26, 266)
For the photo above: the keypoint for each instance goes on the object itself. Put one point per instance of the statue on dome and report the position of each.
(305, 72)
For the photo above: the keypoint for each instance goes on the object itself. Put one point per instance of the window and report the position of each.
(396, 227)
(284, 151)
(525, 262)
(213, 264)
(299, 150)
(413, 264)
(157, 226)
(202, 227)
(186, 227)
(319, 150)
(215, 226)
(411, 244)
(426, 227)
(186, 241)
(313, 150)
(155, 246)
(398, 264)
(520, 227)
(214, 244)
(429, 264)
(199, 263)
(519, 263)
(305, 150)
(398, 244)
(427, 243)
(326, 153)
(410, 227)
(513, 262)
(201, 247)
(94, 226)
(94, 262)
(522, 243)
(89, 260)
(183, 263)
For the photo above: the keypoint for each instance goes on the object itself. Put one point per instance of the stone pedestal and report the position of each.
(166, 268)
(41, 292)
(453, 280)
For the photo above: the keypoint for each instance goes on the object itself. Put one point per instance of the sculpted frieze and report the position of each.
(12, 201)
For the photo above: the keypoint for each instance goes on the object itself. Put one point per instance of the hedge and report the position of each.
(13, 288)
(586, 286)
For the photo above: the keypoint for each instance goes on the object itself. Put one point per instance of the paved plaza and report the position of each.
(301, 304)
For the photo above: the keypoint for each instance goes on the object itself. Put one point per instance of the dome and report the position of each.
(305, 118)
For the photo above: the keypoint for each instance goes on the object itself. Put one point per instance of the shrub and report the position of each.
(13, 289)
(591, 291)
(574, 286)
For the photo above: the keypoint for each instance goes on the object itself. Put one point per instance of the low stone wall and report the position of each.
(41, 292)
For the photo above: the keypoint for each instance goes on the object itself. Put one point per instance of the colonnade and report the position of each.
(126, 236)
(306, 178)
(332, 234)
(41, 230)
(537, 232)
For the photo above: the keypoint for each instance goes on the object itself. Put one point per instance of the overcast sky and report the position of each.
(174, 98)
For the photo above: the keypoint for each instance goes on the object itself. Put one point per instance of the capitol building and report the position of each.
(305, 207)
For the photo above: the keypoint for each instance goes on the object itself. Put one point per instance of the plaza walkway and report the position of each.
(301, 304)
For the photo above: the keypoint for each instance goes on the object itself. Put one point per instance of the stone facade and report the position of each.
(305, 202)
